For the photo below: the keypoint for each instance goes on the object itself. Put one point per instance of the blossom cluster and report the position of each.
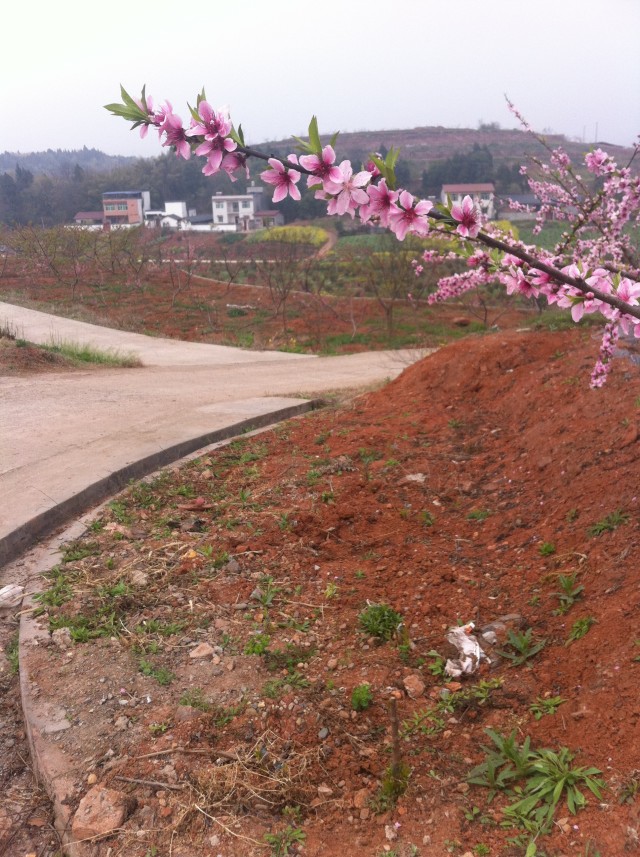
(593, 268)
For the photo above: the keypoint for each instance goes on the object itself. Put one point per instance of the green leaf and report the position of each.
(201, 97)
(334, 137)
(314, 136)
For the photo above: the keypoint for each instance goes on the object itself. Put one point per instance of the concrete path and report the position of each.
(68, 440)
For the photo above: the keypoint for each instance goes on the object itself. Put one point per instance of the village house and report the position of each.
(125, 207)
(243, 212)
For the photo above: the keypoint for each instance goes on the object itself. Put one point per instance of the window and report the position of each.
(246, 203)
(219, 204)
(122, 206)
(234, 206)
(220, 218)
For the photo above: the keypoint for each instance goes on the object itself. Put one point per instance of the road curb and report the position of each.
(42, 525)
(52, 769)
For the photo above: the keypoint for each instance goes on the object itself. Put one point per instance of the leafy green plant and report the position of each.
(437, 665)
(379, 620)
(540, 779)
(570, 592)
(549, 779)
(361, 697)
(331, 590)
(162, 675)
(257, 645)
(478, 515)
(281, 842)
(545, 705)
(12, 652)
(157, 626)
(120, 511)
(579, 628)
(194, 698)
(427, 519)
(608, 524)
(267, 591)
(521, 646)
(547, 549)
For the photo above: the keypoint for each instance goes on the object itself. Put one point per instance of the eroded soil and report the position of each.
(472, 487)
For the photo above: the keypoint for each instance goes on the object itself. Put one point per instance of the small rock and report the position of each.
(92, 780)
(332, 663)
(324, 790)
(365, 813)
(361, 798)
(62, 638)
(139, 578)
(100, 811)
(203, 650)
(323, 733)
(390, 833)
(232, 567)
(414, 685)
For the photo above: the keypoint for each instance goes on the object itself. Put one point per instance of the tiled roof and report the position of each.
(468, 188)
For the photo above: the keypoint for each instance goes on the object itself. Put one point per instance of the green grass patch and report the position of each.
(84, 353)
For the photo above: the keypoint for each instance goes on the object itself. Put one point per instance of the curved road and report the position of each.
(63, 432)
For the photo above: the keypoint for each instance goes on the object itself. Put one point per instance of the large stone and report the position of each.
(100, 811)
(203, 650)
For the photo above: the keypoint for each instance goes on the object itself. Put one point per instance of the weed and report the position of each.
(155, 626)
(478, 515)
(11, 652)
(281, 843)
(546, 777)
(56, 595)
(275, 687)
(266, 591)
(257, 645)
(608, 524)
(117, 590)
(455, 424)
(327, 497)
(186, 491)
(521, 646)
(359, 574)
(361, 697)
(393, 785)
(545, 706)
(223, 716)
(159, 728)
(331, 590)
(547, 549)
(120, 512)
(83, 353)
(379, 620)
(77, 551)
(481, 850)
(96, 526)
(194, 698)
(436, 667)
(579, 628)
(570, 592)
(572, 515)
(163, 676)
(630, 789)
(284, 523)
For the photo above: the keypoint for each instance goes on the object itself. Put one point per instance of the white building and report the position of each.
(243, 212)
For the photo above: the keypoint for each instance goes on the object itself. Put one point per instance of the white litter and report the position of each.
(10, 596)
(471, 653)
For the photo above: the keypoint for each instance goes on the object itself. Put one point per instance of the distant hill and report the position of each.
(423, 146)
(60, 162)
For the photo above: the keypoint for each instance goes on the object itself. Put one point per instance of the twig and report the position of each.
(228, 829)
(194, 752)
(155, 783)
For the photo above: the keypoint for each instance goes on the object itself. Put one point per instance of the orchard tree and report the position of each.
(593, 269)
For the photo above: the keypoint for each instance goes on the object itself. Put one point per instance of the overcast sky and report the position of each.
(571, 66)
